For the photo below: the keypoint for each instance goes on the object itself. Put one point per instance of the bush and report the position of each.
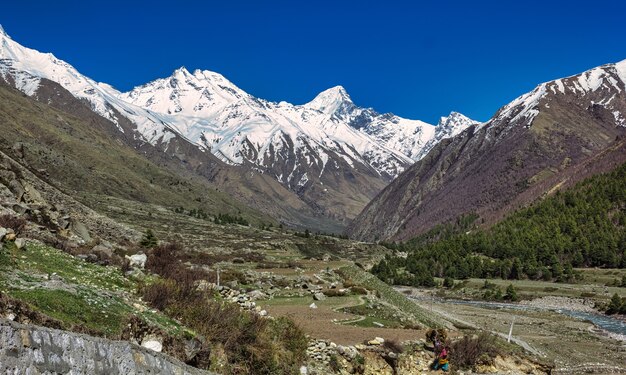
(13, 222)
(358, 290)
(334, 292)
(149, 240)
(252, 344)
(470, 351)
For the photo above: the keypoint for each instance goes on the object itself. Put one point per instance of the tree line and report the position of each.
(581, 227)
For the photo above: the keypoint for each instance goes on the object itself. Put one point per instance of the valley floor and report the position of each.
(572, 346)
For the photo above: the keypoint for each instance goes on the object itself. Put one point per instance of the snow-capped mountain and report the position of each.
(543, 141)
(332, 153)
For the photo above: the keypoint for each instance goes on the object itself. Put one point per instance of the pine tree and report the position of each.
(149, 240)
(511, 294)
(615, 305)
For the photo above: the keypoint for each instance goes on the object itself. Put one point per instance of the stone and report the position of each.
(257, 294)
(18, 190)
(20, 243)
(374, 342)
(138, 260)
(319, 296)
(379, 339)
(103, 250)
(3, 232)
(263, 313)
(153, 343)
(10, 237)
(64, 222)
(313, 306)
(80, 230)
(20, 208)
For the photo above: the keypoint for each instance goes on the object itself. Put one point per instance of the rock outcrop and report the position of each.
(37, 350)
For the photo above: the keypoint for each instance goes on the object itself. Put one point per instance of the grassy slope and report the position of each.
(73, 291)
(81, 157)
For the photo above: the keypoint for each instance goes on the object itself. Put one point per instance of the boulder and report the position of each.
(103, 251)
(313, 306)
(20, 243)
(3, 232)
(80, 230)
(20, 208)
(152, 342)
(10, 236)
(18, 190)
(138, 260)
(319, 296)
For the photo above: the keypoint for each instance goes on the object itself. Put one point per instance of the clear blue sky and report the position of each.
(416, 59)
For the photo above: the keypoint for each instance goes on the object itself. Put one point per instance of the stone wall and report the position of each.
(31, 349)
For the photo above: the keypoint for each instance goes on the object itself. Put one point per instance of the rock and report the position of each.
(152, 342)
(379, 339)
(10, 237)
(263, 313)
(103, 251)
(138, 260)
(192, 348)
(313, 306)
(20, 243)
(374, 342)
(64, 222)
(3, 232)
(257, 294)
(80, 230)
(20, 208)
(319, 296)
(18, 190)
(304, 370)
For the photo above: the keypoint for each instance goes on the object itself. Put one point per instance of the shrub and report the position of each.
(149, 240)
(358, 290)
(334, 292)
(13, 222)
(470, 351)
(252, 344)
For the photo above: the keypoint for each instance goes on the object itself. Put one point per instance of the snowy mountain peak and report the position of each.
(3, 33)
(620, 67)
(328, 101)
(455, 120)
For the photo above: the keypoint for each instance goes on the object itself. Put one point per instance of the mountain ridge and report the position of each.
(333, 155)
(540, 136)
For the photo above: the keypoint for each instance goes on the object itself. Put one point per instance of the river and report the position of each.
(606, 323)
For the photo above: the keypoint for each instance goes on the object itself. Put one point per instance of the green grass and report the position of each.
(382, 314)
(88, 295)
(389, 295)
(86, 309)
(46, 260)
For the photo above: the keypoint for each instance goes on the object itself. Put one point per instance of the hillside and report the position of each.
(541, 141)
(79, 156)
(583, 226)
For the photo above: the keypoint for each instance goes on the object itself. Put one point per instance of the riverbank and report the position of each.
(540, 326)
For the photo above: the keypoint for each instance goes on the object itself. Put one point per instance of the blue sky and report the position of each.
(416, 59)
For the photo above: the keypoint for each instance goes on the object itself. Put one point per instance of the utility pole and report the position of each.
(511, 329)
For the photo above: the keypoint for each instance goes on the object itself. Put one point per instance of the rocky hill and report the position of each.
(536, 144)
